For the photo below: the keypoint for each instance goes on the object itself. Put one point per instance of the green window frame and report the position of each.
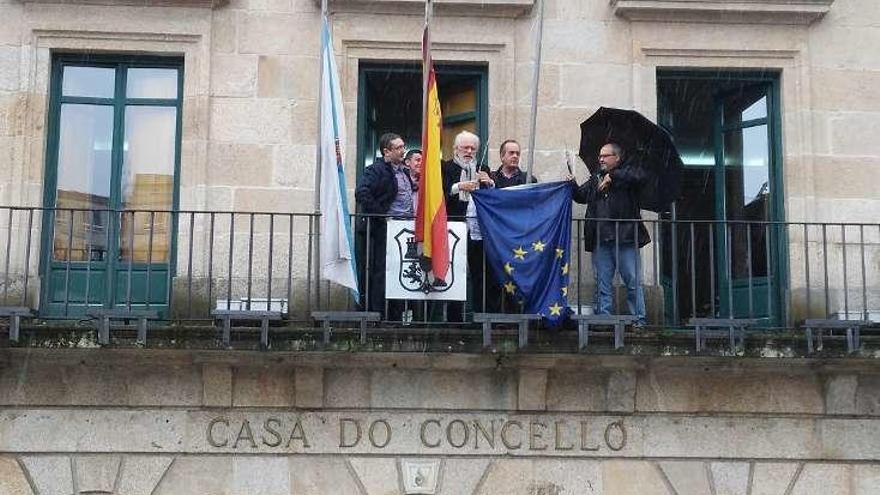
(118, 274)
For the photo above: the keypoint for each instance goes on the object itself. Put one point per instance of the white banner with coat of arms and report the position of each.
(405, 277)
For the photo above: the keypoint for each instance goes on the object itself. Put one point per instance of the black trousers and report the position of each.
(485, 292)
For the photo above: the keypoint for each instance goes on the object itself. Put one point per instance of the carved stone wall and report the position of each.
(179, 422)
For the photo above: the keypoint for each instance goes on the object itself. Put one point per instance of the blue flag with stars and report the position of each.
(526, 236)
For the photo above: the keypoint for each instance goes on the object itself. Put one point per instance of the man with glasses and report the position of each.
(613, 194)
(387, 189)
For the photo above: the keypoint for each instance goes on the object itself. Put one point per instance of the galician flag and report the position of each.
(337, 245)
(431, 229)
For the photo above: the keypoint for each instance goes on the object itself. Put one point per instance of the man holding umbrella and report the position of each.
(613, 231)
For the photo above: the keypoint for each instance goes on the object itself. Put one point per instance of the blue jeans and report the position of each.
(609, 257)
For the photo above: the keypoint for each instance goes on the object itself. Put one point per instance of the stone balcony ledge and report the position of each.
(485, 8)
(803, 12)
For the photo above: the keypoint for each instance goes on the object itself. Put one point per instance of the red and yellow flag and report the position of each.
(431, 228)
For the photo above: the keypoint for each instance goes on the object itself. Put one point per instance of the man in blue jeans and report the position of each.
(613, 231)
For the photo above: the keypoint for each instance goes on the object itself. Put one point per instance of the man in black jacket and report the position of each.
(509, 174)
(613, 194)
(461, 176)
(385, 189)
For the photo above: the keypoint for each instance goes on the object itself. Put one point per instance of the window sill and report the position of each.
(487, 8)
(801, 12)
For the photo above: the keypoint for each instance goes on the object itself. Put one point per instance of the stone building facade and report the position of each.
(239, 136)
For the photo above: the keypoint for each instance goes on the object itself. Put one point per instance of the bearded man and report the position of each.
(461, 176)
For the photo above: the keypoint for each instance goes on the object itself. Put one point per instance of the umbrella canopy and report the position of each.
(645, 144)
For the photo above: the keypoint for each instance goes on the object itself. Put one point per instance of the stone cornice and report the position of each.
(213, 4)
(487, 8)
(801, 12)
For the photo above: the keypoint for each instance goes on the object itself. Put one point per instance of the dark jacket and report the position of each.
(452, 174)
(518, 179)
(619, 201)
(376, 191)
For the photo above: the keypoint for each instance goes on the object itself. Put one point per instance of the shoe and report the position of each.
(639, 324)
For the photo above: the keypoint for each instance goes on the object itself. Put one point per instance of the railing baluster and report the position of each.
(150, 258)
(269, 268)
(809, 308)
(88, 258)
(27, 257)
(693, 272)
(189, 265)
(130, 258)
(231, 253)
(250, 267)
(712, 308)
(67, 264)
(864, 275)
(748, 227)
(769, 268)
(290, 264)
(845, 284)
(8, 254)
(728, 249)
(825, 268)
(309, 266)
(211, 263)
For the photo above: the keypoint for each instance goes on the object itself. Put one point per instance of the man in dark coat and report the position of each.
(613, 194)
(461, 176)
(385, 188)
(509, 174)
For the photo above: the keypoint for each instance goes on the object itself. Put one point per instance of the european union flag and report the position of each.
(527, 236)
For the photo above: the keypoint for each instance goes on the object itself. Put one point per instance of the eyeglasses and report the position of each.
(607, 155)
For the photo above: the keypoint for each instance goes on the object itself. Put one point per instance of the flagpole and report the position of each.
(318, 158)
(320, 106)
(536, 79)
(426, 58)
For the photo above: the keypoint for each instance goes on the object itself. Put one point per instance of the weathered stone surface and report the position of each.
(633, 478)
(152, 386)
(141, 474)
(840, 394)
(277, 34)
(309, 387)
(443, 390)
(868, 395)
(265, 386)
(347, 388)
(773, 478)
(378, 475)
(12, 479)
(216, 385)
(687, 478)
(461, 475)
(532, 392)
(237, 164)
(242, 120)
(671, 390)
(206, 475)
(51, 475)
(528, 477)
(621, 391)
(576, 391)
(9, 68)
(866, 479)
(260, 476)
(730, 478)
(314, 475)
(233, 75)
(821, 479)
(96, 473)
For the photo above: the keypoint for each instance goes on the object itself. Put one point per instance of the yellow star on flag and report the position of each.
(538, 246)
(508, 269)
(565, 291)
(509, 287)
(519, 253)
(555, 310)
(565, 269)
(560, 252)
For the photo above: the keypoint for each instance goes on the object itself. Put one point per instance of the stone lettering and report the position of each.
(585, 432)
(559, 433)
(267, 426)
(423, 433)
(245, 433)
(212, 440)
(465, 433)
(343, 422)
(505, 440)
(372, 435)
(616, 441)
(535, 435)
(480, 430)
(297, 433)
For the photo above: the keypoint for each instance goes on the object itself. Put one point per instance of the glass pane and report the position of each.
(148, 182)
(94, 82)
(747, 183)
(749, 104)
(84, 170)
(151, 83)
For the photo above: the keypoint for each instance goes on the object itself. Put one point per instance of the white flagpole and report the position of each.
(536, 80)
(320, 106)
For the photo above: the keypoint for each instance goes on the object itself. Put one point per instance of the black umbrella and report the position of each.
(645, 144)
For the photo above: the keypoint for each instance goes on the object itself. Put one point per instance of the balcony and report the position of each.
(724, 11)
(71, 277)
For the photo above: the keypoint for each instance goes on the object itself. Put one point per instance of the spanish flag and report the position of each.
(431, 229)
